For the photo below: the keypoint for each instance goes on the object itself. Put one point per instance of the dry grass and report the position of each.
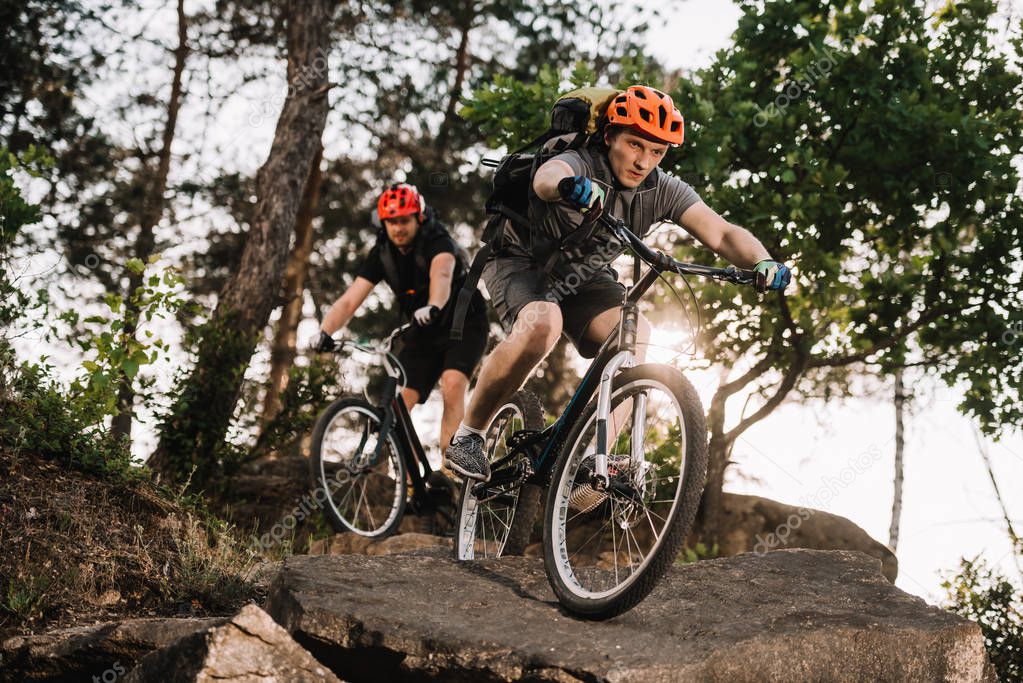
(75, 547)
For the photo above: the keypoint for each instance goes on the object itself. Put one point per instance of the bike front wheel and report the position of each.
(500, 520)
(357, 494)
(605, 549)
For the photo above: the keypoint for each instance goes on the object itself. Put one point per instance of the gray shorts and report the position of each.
(514, 281)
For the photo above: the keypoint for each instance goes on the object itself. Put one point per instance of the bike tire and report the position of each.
(520, 513)
(594, 605)
(326, 463)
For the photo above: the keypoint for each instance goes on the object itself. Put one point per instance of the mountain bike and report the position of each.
(624, 466)
(367, 462)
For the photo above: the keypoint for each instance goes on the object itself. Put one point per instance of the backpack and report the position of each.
(430, 229)
(576, 117)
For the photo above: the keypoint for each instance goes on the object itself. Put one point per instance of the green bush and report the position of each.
(37, 416)
(991, 600)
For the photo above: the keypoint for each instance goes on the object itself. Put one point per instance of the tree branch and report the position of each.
(837, 361)
(791, 376)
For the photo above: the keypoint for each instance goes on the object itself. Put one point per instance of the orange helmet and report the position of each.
(647, 111)
(401, 199)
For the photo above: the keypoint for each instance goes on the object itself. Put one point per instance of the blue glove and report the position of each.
(776, 275)
(583, 194)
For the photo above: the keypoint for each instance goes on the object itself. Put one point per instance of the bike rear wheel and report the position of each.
(605, 550)
(500, 522)
(368, 501)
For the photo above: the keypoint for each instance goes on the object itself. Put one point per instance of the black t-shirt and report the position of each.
(413, 294)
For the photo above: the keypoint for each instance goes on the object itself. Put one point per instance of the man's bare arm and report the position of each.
(547, 177)
(731, 241)
(442, 269)
(346, 306)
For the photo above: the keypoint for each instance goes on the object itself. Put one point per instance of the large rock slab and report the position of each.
(248, 648)
(78, 654)
(790, 615)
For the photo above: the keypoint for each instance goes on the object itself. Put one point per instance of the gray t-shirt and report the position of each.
(670, 196)
(661, 197)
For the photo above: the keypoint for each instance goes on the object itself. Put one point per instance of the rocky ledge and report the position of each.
(791, 615)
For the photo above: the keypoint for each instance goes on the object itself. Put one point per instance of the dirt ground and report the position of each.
(75, 548)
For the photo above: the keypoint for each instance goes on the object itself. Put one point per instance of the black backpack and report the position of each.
(575, 118)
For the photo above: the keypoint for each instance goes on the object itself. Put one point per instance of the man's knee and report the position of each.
(453, 384)
(538, 325)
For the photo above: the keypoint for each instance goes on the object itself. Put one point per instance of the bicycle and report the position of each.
(620, 498)
(368, 461)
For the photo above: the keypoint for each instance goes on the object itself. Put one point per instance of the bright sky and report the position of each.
(949, 508)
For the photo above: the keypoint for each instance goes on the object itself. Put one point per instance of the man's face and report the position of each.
(402, 230)
(633, 157)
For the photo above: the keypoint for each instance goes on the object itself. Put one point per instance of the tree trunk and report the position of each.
(194, 430)
(900, 399)
(282, 354)
(145, 243)
(461, 66)
(710, 516)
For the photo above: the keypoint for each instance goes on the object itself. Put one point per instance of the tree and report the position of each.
(194, 428)
(871, 147)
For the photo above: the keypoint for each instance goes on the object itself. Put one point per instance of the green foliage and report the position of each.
(211, 565)
(24, 598)
(874, 152)
(310, 389)
(698, 552)
(111, 343)
(981, 595)
(38, 416)
(510, 112)
(192, 449)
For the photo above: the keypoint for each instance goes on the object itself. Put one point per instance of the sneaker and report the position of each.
(465, 456)
(584, 497)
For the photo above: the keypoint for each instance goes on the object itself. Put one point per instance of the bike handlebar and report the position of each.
(661, 261)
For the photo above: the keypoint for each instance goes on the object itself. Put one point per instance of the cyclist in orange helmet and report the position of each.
(558, 279)
(417, 257)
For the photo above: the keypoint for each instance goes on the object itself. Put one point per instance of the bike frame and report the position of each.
(394, 417)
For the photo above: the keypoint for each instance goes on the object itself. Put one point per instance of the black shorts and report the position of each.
(427, 353)
(514, 281)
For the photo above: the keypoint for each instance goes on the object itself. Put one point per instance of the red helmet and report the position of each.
(649, 112)
(401, 199)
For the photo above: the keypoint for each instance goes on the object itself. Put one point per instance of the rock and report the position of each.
(407, 543)
(790, 615)
(77, 654)
(353, 544)
(249, 648)
(756, 524)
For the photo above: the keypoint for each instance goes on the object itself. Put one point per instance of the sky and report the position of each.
(800, 451)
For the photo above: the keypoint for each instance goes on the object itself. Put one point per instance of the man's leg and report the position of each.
(453, 385)
(410, 397)
(536, 330)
